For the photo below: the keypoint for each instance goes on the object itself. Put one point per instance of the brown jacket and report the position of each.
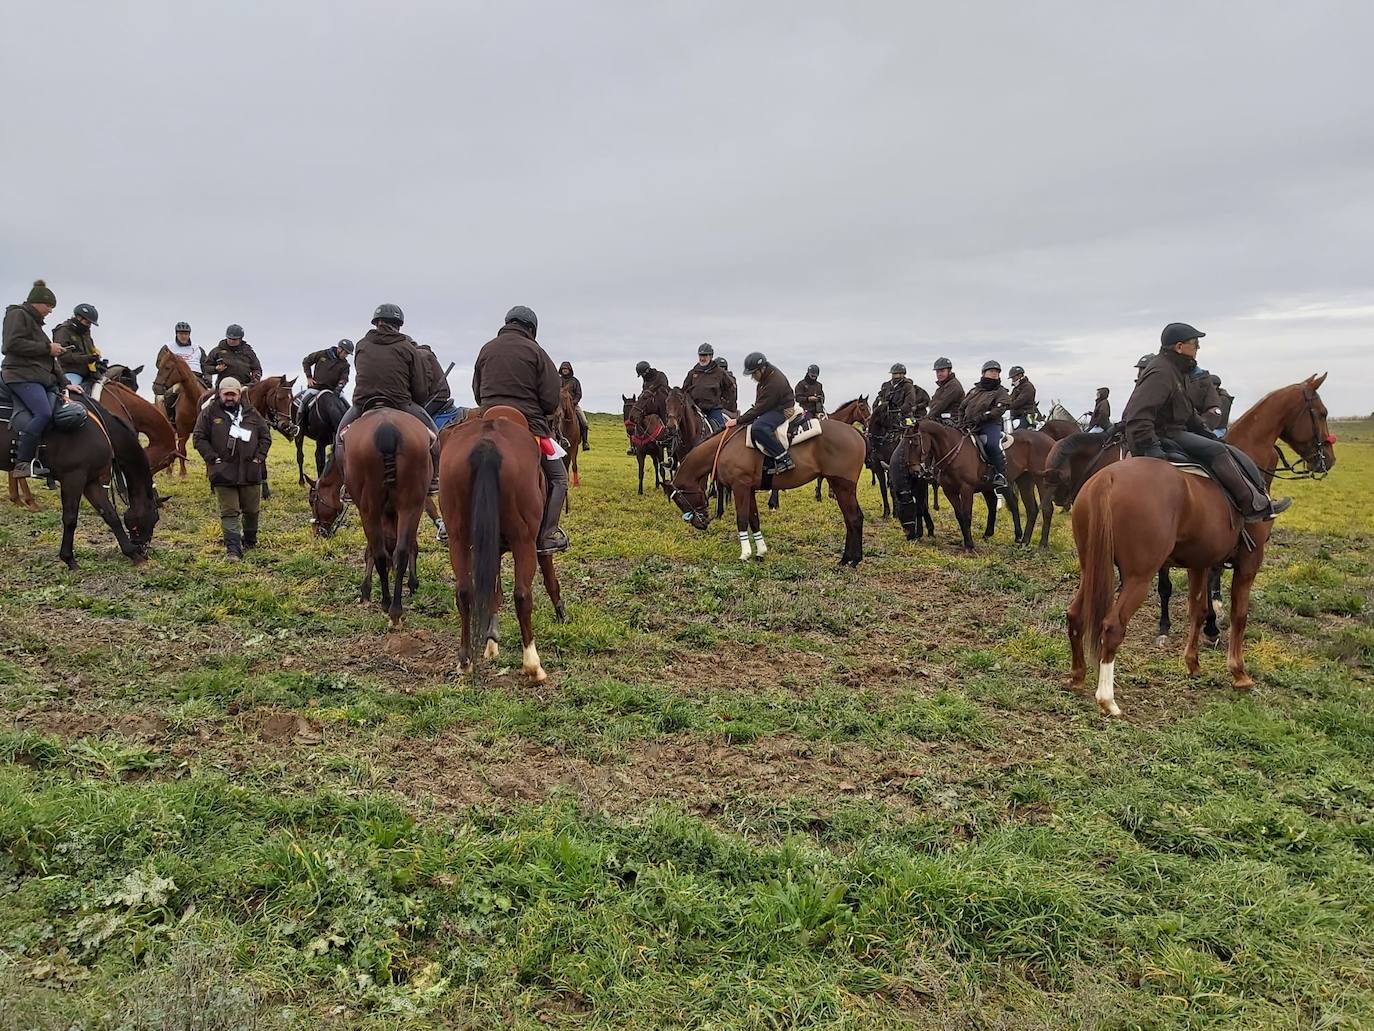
(729, 394)
(240, 361)
(985, 403)
(328, 368)
(948, 396)
(1102, 413)
(27, 349)
(903, 397)
(78, 349)
(390, 370)
(1159, 405)
(440, 394)
(706, 385)
(1022, 403)
(512, 369)
(654, 380)
(774, 394)
(573, 386)
(1206, 401)
(810, 395)
(230, 462)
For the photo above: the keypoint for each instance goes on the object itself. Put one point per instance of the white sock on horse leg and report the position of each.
(744, 544)
(760, 548)
(1106, 689)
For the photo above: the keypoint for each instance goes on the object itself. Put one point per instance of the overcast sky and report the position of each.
(850, 184)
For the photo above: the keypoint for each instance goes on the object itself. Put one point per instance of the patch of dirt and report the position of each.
(145, 729)
(281, 728)
(407, 651)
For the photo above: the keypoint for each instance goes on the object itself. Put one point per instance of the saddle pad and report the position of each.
(1192, 469)
(797, 429)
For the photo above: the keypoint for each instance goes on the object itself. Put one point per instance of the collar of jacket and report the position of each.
(516, 328)
(31, 311)
(77, 327)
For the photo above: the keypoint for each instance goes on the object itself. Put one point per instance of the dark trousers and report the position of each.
(990, 433)
(1233, 468)
(34, 397)
(716, 417)
(766, 433)
(245, 501)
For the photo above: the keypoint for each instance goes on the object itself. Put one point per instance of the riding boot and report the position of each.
(783, 463)
(233, 545)
(1254, 504)
(998, 459)
(586, 435)
(551, 536)
(250, 530)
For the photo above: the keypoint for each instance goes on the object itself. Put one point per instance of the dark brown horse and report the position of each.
(272, 398)
(851, 413)
(317, 421)
(142, 416)
(569, 431)
(837, 455)
(174, 373)
(87, 463)
(1137, 515)
(387, 472)
(491, 491)
(948, 456)
(645, 426)
(1058, 429)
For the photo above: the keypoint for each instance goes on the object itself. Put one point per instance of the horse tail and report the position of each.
(485, 534)
(388, 443)
(1097, 563)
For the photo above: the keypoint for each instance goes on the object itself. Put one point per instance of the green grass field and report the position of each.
(777, 795)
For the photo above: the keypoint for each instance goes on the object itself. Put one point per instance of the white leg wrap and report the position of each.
(534, 669)
(760, 548)
(492, 650)
(744, 553)
(1106, 689)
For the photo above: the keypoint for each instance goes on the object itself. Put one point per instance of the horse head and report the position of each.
(1305, 428)
(273, 399)
(327, 507)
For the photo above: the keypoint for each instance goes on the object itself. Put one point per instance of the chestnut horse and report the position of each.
(570, 432)
(491, 491)
(387, 472)
(837, 455)
(172, 371)
(645, 426)
(1140, 513)
(142, 416)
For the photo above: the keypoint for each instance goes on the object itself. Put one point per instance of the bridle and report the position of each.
(1305, 467)
(931, 470)
(330, 528)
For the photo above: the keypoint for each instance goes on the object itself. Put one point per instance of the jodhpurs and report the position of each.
(34, 397)
(766, 433)
(990, 433)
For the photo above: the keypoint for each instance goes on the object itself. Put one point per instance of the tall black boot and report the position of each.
(1254, 504)
(233, 544)
(250, 530)
(551, 536)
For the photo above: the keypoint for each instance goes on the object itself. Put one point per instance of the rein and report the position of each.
(1302, 469)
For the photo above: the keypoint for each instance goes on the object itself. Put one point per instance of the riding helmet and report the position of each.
(1016, 370)
(1143, 361)
(234, 332)
(87, 311)
(525, 316)
(942, 363)
(706, 350)
(345, 345)
(182, 327)
(1216, 380)
(389, 313)
(897, 370)
(754, 361)
(642, 368)
(992, 365)
(813, 370)
(1177, 332)
(723, 363)
(68, 417)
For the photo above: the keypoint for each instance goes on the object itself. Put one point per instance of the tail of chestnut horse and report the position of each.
(485, 532)
(388, 442)
(1097, 565)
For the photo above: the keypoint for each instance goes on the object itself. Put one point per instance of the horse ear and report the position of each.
(310, 481)
(1314, 381)
(137, 371)
(161, 500)
(288, 382)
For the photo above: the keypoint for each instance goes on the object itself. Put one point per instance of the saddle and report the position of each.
(1007, 441)
(797, 429)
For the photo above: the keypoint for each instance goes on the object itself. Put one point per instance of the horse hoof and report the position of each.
(491, 650)
(1212, 642)
(1246, 683)
(560, 613)
(465, 667)
(1161, 640)
(758, 558)
(1110, 709)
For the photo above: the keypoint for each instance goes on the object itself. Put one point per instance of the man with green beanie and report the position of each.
(29, 369)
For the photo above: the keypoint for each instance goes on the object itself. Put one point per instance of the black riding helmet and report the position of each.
(755, 361)
(723, 363)
(704, 350)
(1016, 370)
(642, 368)
(345, 345)
(1143, 361)
(942, 363)
(233, 332)
(182, 327)
(898, 369)
(813, 370)
(992, 365)
(524, 316)
(389, 313)
(87, 311)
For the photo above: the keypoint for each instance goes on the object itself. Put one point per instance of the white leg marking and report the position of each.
(744, 554)
(760, 548)
(492, 650)
(1106, 689)
(533, 669)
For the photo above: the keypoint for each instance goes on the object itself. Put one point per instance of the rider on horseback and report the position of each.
(573, 386)
(1023, 408)
(772, 402)
(949, 392)
(729, 395)
(234, 356)
(981, 411)
(195, 357)
(391, 374)
(80, 356)
(30, 370)
(513, 369)
(1160, 412)
(810, 393)
(1101, 418)
(326, 369)
(651, 381)
(904, 400)
(705, 385)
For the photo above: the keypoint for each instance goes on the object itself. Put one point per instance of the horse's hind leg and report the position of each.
(552, 586)
(755, 530)
(743, 498)
(1133, 591)
(1197, 607)
(1026, 487)
(369, 563)
(990, 499)
(847, 497)
(71, 508)
(881, 474)
(1046, 515)
(640, 457)
(300, 458)
(525, 562)
(1210, 630)
(1078, 670)
(1242, 579)
(1166, 591)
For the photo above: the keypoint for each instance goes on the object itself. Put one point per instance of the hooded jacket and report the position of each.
(948, 396)
(810, 395)
(1102, 412)
(774, 394)
(572, 385)
(390, 370)
(328, 367)
(1022, 400)
(437, 390)
(512, 369)
(985, 403)
(706, 385)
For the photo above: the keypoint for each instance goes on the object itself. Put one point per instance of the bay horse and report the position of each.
(645, 426)
(570, 430)
(1058, 429)
(1072, 461)
(174, 373)
(272, 398)
(851, 413)
(1027, 457)
(491, 491)
(85, 462)
(837, 455)
(318, 421)
(948, 456)
(882, 435)
(686, 427)
(387, 472)
(1141, 513)
(142, 416)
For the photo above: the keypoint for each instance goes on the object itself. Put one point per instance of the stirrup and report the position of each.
(556, 541)
(1276, 508)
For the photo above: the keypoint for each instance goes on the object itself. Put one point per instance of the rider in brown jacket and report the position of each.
(706, 384)
(810, 392)
(949, 392)
(772, 402)
(981, 411)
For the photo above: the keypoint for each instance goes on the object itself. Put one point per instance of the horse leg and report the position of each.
(1078, 670)
(100, 501)
(818, 489)
(990, 499)
(1197, 603)
(525, 563)
(553, 587)
(847, 497)
(1113, 630)
(1046, 514)
(369, 563)
(1242, 579)
(1166, 591)
(1210, 630)
(773, 500)
(928, 492)
(1026, 487)
(300, 458)
(743, 498)
(640, 456)
(881, 474)
(72, 489)
(760, 548)
(460, 557)
(962, 503)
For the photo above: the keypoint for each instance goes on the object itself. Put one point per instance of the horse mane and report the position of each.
(1076, 442)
